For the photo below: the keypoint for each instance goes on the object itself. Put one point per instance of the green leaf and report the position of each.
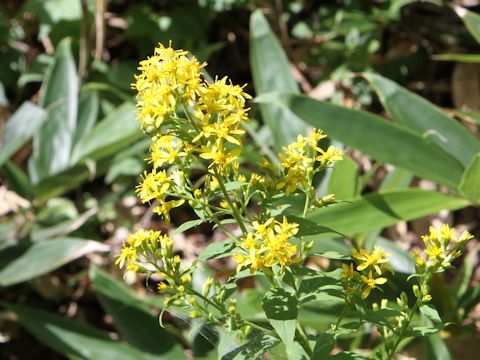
(421, 116)
(52, 145)
(374, 136)
(74, 339)
(186, 226)
(471, 21)
(114, 133)
(87, 114)
(40, 258)
(281, 309)
(469, 185)
(20, 128)
(217, 250)
(131, 317)
(461, 58)
(16, 179)
(62, 228)
(431, 313)
(254, 348)
(344, 179)
(271, 72)
(436, 348)
(324, 346)
(377, 210)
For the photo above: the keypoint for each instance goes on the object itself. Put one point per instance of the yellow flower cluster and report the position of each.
(367, 275)
(197, 124)
(268, 245)
(441, 248)
(143, 249)
(298, 161)
(166, 78)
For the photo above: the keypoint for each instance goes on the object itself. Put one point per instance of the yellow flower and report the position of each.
(330, 156)
(165, 207)
(128, 254)
(371, 283)
(374, 259)
(219, 157)
(348, 271)
(153, 186)
(166, 150)
(269, 245)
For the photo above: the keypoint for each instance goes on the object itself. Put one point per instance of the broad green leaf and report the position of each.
(62, 228)
(271, 72)
(186, 226)
(254, 348)
(68, 180)
(421, 116)
(20, 128)
(377, 210)
(461, 58)
(74, 339)
(281, 309)
(118, 130)
(431, 313)
(324, 346)
(344, 179)
(374, 136)
(87, 113)
(436, 348)
(470, 183)
(217, 250)
(52, 145)
(131, 317)
(471, 21)
(40, 258)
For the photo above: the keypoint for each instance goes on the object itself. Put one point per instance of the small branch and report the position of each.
(100, 8)
(84, 41)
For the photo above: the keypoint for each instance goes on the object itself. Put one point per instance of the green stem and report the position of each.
(303, 339)
(400, 334)
(342, 315)
(236, 214)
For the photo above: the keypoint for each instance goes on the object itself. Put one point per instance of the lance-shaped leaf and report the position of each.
(470, 184)
(74, 339)
(52, 145)
(421, 116)
(378, 210)
(138, 326)
(19, 129)
(271, 72)
(21, 263)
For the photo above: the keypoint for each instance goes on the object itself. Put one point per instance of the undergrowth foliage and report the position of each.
(197, 125)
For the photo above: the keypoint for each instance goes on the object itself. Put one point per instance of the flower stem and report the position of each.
(235, 212)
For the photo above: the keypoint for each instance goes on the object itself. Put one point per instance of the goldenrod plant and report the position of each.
(198, 125)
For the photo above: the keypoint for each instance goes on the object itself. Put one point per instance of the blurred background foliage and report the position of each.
(71, 153)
